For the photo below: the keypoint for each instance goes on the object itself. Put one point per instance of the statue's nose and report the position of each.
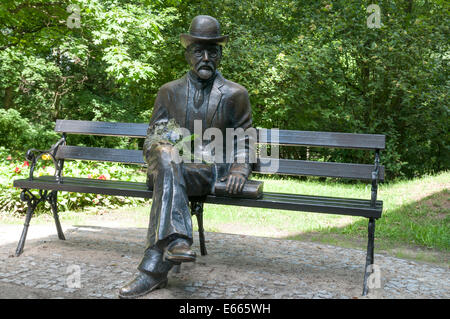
(205, 55)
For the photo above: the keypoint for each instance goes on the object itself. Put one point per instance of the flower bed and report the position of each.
(12, 168)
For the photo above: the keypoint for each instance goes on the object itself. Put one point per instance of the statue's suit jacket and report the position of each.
(228, 107)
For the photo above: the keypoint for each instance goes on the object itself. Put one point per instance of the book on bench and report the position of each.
(252, 189)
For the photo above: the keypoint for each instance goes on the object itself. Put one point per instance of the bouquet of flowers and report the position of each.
(164, 131)
(167, 132)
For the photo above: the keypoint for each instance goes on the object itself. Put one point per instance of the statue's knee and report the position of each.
(161, 149)
(164, 155)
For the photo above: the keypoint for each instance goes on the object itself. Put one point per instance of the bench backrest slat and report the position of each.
(312, 168)
(100, 154)
(285, 137)
(264, 166)
(324, 139)
(138, 130)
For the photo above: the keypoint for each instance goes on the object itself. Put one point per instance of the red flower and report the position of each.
(9, 158)
(17, 170)
(103, 177)
(25, 164)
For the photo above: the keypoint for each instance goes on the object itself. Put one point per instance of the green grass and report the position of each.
(415, 220)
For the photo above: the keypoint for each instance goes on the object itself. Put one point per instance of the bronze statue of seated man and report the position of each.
(204, 96)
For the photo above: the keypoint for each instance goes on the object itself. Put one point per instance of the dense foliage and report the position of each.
(308, 65)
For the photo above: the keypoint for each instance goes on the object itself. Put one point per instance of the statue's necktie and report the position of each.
(202, 88)
(198, 97)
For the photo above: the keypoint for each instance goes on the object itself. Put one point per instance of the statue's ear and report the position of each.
(187, 51)
(188, 57)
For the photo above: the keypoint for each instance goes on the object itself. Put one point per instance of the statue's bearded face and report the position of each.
(204, 59)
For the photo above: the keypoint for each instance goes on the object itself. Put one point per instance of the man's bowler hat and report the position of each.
(204, 29)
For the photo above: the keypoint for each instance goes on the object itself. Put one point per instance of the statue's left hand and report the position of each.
(236, 182)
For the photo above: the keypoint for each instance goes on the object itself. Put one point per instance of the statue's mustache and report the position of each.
(205, 65)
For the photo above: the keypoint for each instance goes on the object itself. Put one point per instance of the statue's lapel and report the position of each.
(214, 99)
(184, 93)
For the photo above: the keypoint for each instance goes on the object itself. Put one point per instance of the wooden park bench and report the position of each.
(48, 186)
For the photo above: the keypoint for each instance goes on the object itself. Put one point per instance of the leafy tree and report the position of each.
(308, 65)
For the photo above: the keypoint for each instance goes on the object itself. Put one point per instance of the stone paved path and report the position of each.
(236, 266)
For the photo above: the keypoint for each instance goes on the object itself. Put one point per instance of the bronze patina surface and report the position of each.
(205, 96)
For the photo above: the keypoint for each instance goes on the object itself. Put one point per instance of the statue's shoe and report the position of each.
(142, 285)
(180, 253)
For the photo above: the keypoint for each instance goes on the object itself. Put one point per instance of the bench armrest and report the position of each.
(34, 155)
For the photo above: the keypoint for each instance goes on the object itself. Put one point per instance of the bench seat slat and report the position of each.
(286, 137)
(264, 166)
(126, 185)
(269, 200)
(142, 186)
(316, 206)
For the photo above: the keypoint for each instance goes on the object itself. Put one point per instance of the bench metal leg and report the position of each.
(53, 200)
(177, 269)
(370, 254)
(32, 203)
(197, 209)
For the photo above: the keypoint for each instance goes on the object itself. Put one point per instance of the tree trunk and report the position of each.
(8, 99)
(410, 6)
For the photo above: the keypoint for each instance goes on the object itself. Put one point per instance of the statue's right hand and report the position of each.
(235, 183)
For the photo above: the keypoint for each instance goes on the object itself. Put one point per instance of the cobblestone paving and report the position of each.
(236, 266)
